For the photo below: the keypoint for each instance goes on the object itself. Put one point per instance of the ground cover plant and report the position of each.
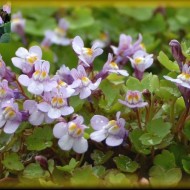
(91, 96)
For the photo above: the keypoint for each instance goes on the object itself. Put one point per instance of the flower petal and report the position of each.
(84, 93)
(67, 110)
(60, 129)
(11, 126)
(54, 113)
(17, 62)
(36, 118)
(80, 145)
(36, 88)
(24, 80)
(37, 50)
(44, 106)
(30, 105)
(113, 140)
(66, 142)
(77, 44)
(98, 122)
(98, 136)
(22, 52)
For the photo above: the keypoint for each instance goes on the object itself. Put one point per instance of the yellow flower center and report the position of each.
(88, 51)
(9, 113)
(31, 59)
(2, 92)
(85, 80)
(184, 76)
(138, 60)
(133, 98)
(114, 65)
(74, 130)
(60, 31)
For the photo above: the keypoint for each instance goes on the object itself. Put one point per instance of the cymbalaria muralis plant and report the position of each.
(82, 112)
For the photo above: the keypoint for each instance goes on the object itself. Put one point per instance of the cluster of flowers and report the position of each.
(6, 9)
(50, 101)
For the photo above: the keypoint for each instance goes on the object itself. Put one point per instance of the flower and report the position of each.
(6, 73)
(7, 8)
(133, 100)
(36, 117)
(183, 79)
(10, 117)
(111, 67)
(183, 83)
(1, 20)
(55, 104)
(25, 59)
(126, 48)
(5, 92)
(82, 84)
(113, 131)
(70, 135)
(103, 40)
(65, 74)
(86, 55)
(177, 53)
(141, 61)
(40, 81)
(17, 23)
(57, 36)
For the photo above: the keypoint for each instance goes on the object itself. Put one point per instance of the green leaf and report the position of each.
(99, 170)
(149, 139)
(38, 28)
(186, 164)
(7, 27)
(136, 143)
(100, 158)
(85, 176)
(138, 13)
(125, 164)
(159, 127)
(12, 162)
(70, 167)
(76, 103)
(40, 139)
(150, 82)
(33, 170)
(164, 60)
(187, 129)
(133, 84)
(161, 178)
(106, 86)
(5, 38)
(80, 18)
(165, 160)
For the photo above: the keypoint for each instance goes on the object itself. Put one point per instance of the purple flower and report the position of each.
(36, 117)
(10, 117)
(140, 62)
(183, 83)
(57, 36)
(182, 79)
(126, 48)
(6, 73)
(102, 41)
(113, 131)
(70, 135)
(61, 84)
(1, 20)
(40, 81)
(133, 100)
(25, 59)
(177, 53)
(82, 84)
(7, 8)
(65, 74)
(111, 67)
(17, 22)
(55, 104)
(5, 92)
(86, 55)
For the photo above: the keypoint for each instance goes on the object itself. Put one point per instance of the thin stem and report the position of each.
(21, 89)
(172, 114)
(138, 118)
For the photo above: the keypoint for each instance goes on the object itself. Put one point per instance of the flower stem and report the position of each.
(21, 89)
(138, 118)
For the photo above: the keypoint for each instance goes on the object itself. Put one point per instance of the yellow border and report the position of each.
(65, 3)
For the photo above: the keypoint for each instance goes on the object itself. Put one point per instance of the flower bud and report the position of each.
(177, 53)
(42, 161)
